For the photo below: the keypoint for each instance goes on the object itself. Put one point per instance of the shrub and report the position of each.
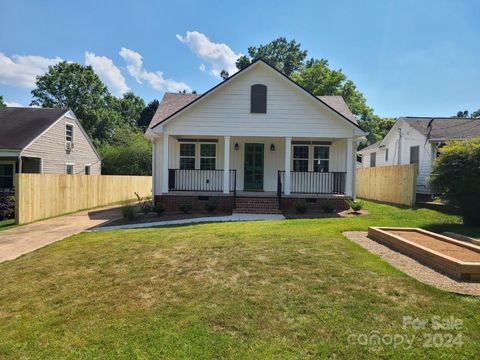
(455, 177)
(300, 207)
(7, 207)
(145, 203)
(356, 205)
(185, 208)
(158, 208)
(128, 212)
(327, 207)
(211, 205)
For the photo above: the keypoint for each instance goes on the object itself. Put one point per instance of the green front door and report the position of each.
(253, 179)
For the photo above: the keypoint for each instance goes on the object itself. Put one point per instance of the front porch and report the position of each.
(196, 169)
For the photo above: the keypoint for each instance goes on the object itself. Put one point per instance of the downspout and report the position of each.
(399, 146)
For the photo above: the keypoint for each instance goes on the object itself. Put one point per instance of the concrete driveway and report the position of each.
(26, 238)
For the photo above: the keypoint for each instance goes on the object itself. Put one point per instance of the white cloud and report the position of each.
(21, 70)
(202, 67)
(218, 55)
(108, 72)
(155, 79)
(13, 104)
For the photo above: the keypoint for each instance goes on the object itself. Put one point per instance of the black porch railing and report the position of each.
(199, 180)
(311, 182)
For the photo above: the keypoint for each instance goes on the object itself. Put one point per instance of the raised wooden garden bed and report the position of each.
(456, 258)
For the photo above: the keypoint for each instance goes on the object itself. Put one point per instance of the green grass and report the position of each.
(279, 289)
(6, 224)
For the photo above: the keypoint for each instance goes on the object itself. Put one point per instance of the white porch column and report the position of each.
(350, 164)
(288, 155)
(226, 164)
(165, 163)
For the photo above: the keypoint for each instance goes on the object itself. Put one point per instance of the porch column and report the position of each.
(288, 155)
(226, 164)
(165, 163)
(350, 164)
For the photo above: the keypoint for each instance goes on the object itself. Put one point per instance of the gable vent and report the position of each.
(258, 99)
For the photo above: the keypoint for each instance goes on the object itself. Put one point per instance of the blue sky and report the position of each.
(407, 57)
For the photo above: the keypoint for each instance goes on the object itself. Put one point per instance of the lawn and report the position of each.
(6, 224)
(278, 289)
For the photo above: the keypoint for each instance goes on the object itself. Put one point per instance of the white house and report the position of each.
(255, 142)
(416, 140)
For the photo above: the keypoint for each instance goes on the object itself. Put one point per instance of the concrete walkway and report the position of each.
(26, 238)
(234, 217)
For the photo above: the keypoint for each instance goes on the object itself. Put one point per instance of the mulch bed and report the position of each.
(412, 267)
(449, 249)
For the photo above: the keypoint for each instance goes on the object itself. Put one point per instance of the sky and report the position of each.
(408, 58)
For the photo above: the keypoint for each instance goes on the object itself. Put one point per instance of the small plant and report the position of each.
(211, 205)
(158, 208)
(185, 208)
(300, 207)
(327, 207)
(128, 212)
(356, 205)
(145, 203)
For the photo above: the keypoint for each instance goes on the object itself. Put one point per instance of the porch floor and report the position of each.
(259, 194)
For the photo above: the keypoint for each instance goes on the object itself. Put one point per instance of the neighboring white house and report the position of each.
(417, 140)
(240, 138)
(40, 140)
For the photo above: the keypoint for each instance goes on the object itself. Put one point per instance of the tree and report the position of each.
(147, 114)
(129, 153)
(2, 104)
(284, 55)
(466, 114)
(455, 177)
(77, 87)
(129, 107)
(462, 114)
(224, 74)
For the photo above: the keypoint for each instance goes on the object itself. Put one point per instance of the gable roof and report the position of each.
(338, 103)
(451, 128)
(170, 104)
(157, 120)
(20, 126)
(373, 146)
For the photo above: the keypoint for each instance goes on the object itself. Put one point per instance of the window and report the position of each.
(87, 169)
(300, 158)
(187, 156)
(6, 176)
(69, 169)
(321, 156)
(386, 154)
(373, 159)
(208, 156)
(258, 99)
(414, 155)
(69, 132)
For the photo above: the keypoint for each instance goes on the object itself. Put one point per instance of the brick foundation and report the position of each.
(172, 202)
(314, 204)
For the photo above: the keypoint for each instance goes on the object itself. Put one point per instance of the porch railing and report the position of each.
(311, 182)
(199, 180)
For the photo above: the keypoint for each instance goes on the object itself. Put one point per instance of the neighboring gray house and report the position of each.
(417, 140)
(49, 141)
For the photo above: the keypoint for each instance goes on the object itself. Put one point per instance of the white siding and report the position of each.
(50, 146)
(290, 112)
(410, 137)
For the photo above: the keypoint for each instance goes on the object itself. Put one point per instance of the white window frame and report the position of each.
(198, 155)
(301, 159)
(73, 168)
(13, 163)
(311, 155)
(90, 167)
(73, 132)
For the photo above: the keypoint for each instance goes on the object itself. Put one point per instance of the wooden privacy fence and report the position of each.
(40, 196)
(392, 184)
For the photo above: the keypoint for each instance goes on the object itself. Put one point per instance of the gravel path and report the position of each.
(413, 268)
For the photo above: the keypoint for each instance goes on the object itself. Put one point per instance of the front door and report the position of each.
(253, 179)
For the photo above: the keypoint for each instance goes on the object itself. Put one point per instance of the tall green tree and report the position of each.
(286, 56)
(2, 104)
(147, 114)
(466, 114)
(79, 88)
(129, 107)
